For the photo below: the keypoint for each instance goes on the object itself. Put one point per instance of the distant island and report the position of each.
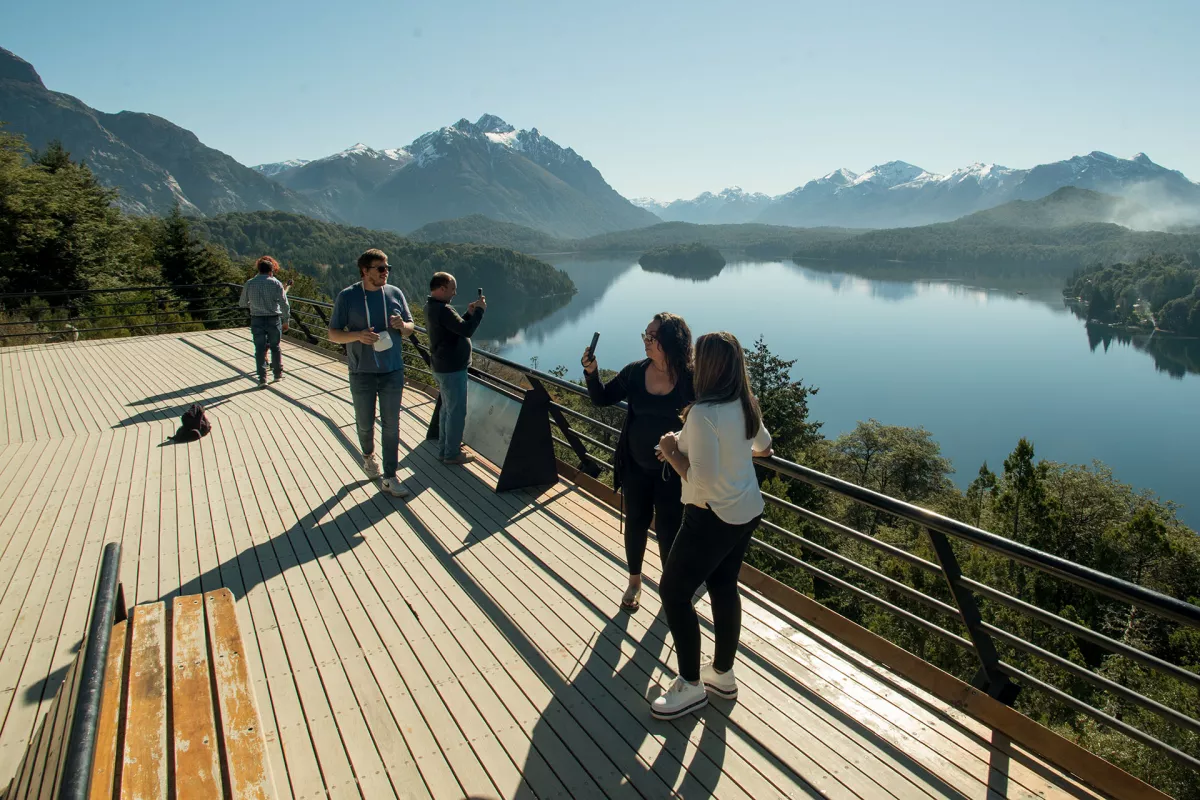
(695, 260)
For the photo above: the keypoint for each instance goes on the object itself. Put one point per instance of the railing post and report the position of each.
(989, 678)
(587, 464)
(307, 333)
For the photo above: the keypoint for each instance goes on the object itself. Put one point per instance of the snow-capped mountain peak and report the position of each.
(490, 123)
(274, 168)
(885, 176)
(839, 177)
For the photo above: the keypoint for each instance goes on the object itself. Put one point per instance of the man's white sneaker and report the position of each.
(722, 684)
(392, 486)
(371, 465)
(681, 699)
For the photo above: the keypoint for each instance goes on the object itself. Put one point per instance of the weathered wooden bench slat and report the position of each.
(144, 764)
(104, 769)
(241, 727)
(197, 752)
(62, 712)
(37, 746)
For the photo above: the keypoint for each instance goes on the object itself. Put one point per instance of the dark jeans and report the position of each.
(710, 551)
(389, 388)
(648, 496)
(267, 332)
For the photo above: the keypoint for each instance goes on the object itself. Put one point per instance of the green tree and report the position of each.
(1021, 490)
(980, 494)
(783, 401)
(58, 226)
(193, 266)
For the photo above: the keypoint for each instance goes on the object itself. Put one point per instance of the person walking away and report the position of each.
(370, 318)
(270, 311)
(656, 389)
(450, 352)
(722, 432)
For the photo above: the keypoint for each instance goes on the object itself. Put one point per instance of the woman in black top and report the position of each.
(656, 389)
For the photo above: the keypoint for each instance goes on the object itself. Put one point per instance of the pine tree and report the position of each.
(193, 266)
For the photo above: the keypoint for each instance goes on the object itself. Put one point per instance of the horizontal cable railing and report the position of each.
(995, 675)
(310, 321)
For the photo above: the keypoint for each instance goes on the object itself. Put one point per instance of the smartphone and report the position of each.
(592, 346)
(480, 290)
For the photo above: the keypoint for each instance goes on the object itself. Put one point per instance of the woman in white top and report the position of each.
(722, 431)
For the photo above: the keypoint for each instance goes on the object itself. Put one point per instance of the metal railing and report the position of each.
(997, 677)
(160, 308)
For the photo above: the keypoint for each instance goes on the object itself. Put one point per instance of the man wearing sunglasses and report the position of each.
(370, 318)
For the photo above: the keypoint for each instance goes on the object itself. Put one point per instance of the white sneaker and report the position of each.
(722, 684)
(681, 699)
(392, 486)
(371, 465)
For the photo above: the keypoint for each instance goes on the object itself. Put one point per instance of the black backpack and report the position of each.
(193, 424)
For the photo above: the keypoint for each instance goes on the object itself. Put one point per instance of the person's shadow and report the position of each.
(316, 535)
(596, 730)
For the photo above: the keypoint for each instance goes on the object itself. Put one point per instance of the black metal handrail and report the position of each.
(995, 675)
(81, 740)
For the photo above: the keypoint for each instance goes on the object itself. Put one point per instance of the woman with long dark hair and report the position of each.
(722, 432)
(656, 389)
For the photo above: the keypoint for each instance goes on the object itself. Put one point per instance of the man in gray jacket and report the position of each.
(450, 352)
(270, 311)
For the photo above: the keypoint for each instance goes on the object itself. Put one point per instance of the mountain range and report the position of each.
(899, 194)
(489, 168)
(152, 162)
(484, 167)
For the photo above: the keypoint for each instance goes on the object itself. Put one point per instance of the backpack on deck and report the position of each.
(193, 424)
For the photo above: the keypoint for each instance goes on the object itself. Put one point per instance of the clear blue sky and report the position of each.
(667, 99)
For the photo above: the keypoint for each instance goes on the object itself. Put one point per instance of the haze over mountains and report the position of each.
(898, 194)
(489, 168)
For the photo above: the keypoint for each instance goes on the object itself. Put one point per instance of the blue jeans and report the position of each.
(453, 388)
(266, 332)
(389, 388)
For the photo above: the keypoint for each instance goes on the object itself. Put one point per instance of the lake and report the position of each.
(977, 365)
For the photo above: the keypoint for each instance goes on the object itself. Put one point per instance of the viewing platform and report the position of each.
(459, 643)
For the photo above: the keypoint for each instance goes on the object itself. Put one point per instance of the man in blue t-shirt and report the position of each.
(370, 318)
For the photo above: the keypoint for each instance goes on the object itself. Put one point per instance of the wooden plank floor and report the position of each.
(459, 643)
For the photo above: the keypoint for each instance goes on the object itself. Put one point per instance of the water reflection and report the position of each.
(592, 277)
(1173, 355)
(693, 271)
(904, 281)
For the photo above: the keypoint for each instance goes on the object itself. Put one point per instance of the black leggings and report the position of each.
(709, 551)
(648, 496)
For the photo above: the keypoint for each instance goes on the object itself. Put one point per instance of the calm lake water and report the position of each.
(977, 365)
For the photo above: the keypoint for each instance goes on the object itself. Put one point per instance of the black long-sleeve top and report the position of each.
(450, 335)
(649, 415)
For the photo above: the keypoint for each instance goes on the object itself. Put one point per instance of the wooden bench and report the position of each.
(168, 711)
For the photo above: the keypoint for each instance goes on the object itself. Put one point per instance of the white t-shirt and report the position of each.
(721, 473)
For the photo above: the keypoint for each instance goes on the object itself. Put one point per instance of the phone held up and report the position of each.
(592, 347)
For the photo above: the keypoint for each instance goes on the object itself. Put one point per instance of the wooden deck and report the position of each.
(459, 643)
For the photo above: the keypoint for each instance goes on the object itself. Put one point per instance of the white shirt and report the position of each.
(721, 473)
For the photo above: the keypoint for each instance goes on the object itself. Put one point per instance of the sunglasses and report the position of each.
(381, 267)
(649, 337)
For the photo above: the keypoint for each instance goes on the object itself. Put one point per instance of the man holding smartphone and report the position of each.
(450, 352)
(370, 318)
